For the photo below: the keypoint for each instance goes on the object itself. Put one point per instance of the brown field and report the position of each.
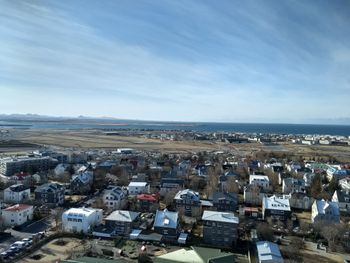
(96, 139)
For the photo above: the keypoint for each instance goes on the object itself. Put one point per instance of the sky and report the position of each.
(183, 60)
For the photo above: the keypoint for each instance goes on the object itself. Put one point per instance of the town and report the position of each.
(121, 204)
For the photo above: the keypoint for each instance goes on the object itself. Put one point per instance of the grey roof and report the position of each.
(123, 216)
(166, 219)
(49, 187)
(18, 187)
(85, 177)
(294, 181)
(216, 216)
(187, 194)
(277, 202)
(217, 196)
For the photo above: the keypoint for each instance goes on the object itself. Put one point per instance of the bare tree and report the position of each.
(99, 203)
(264, 231)
(57, 216)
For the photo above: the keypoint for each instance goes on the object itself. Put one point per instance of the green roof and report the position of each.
(90, 260)
(196, 255)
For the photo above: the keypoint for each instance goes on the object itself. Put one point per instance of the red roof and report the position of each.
(251, 209)
(16, 208)
(150, 197)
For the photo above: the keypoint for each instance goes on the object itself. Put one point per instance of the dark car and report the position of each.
(4, 255)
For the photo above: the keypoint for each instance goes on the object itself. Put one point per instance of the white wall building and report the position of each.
(17, 215)
(115, 197)
(259, 180)
(16, 193)
(136, 188)
(83, 219)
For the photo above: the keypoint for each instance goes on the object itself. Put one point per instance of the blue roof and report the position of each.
(166, 219)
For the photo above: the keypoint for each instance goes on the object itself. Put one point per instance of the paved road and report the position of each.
(25, 232)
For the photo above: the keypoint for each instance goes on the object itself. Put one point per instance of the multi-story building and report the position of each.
(123, 221)
(17, 193)
(276, 207)
(77, 220)
(343, 200)
(136, 188)
(17, 215)
(225, 201)
(115, 197)
(292, 185)
(325, 211)
(188, 201)
(259, 180)
(166, 223)
(148, 202)
(50, 194)
(220, 228)
(10, 166)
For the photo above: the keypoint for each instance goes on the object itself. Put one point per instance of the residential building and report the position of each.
(325, 211)
(308, 177)
(77, 220)
(268, 252)
(259, 180)
(148, 202)
(115, 197)
(10, 166)
(123, 221)
(168, 184)
(293, 185)
(136, 188)
(220, 228)
(253, 194)
(17, 215)
(345, 183)
(343, 200)
(166, 223)
(300, 201)
(276, 207)
(82, 182)
(189, 202)
(225, 201)
(17, 193)
(50, 193)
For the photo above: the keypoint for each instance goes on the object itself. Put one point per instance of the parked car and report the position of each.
(4, 255)
(19, 244)
(28, 241)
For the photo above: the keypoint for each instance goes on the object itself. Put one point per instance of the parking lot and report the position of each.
(11, 235)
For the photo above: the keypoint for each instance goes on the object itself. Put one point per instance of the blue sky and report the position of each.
(234, 61)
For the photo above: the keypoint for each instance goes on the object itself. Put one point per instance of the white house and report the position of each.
(78, 220)
(268, 252)
(136, 188)
(259, 180)
(16, 193)
(17, 215)
(345, 183)
(115, 197)
(343, 200)
(276, 207)
(325, 211)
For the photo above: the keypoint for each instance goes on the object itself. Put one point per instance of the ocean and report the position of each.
(343, 130)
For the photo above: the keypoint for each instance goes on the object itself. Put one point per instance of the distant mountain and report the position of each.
(37, 117)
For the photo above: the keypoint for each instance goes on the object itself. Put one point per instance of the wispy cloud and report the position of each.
(175, 60)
